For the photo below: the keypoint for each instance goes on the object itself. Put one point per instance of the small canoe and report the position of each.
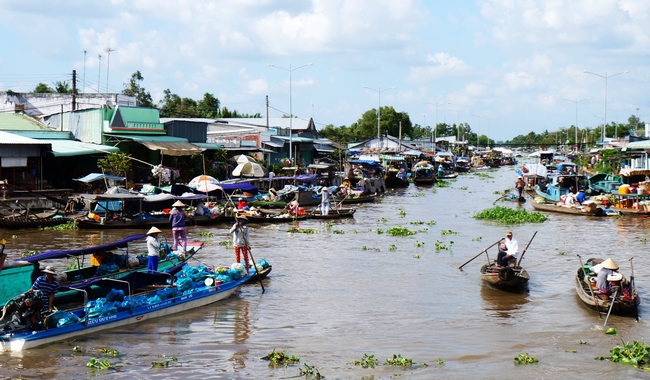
(16, 224)
(508, 278)
(333, 214)
(275, 219)
(261, 274)
(624, 305)
(356, 199)
(585, 211)
(92, 224)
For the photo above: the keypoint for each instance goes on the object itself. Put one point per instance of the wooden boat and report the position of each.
(89, 223)
(424, 173)
(255, 276)
(585, 210)
(352, 199)
(140, 304)
(513, 198)
(276, 218)
(623, 304)
(17, 276)
(333, 214)
(510, 277)
(462, 165)
(25, 219)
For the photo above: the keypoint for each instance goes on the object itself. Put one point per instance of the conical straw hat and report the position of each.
(153, 230)
(609, 264)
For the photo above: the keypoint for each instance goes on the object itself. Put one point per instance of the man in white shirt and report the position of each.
(511, 244)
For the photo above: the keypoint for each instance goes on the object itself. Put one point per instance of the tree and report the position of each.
(42, 88)
(62, 87)
(208, 107)
(175, 106)
(133, 88)
(117, 163)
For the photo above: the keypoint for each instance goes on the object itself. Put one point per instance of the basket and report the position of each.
(645, 186)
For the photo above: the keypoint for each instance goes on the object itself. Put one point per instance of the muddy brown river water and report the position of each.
(347, 290)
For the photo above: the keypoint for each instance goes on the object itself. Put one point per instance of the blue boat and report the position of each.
(130, 301)
(560, 185)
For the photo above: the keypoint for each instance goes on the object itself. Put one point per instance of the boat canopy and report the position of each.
(58, 254)
(536, 169)
(99, 176)
(366, 163)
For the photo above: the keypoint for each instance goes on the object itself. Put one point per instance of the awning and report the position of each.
(209, 146)
(70, 148)
(168, 145)
(643, 144)
(97, 176)
(273, 144)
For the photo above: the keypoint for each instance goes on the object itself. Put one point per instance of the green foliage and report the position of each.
(635, 353)
(398, 360)
(416, 256)
(295, 229)
(100, 364)
(441, 361)
(338, 232)
(507, 215)
(525, 359)
(28, 253)
(367, 361)
(440, 183)
(419, 244)
(280, 358)
(380, 231)
(62, 87)
(440, 246)
(392, 247)
(401, 212)
(69, 225)
(116, 163)
(448, 232)
(399, 231)
(163, 363)
(226, 243)
(310, 372)
(108, 352)
(134, 88)
(42, 88)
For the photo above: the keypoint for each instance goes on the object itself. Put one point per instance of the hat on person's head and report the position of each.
(49, 269)
(179, 204)
(609, 264)
(242, 217)
(509, 233)
(153, 230)
(520, 177)
(325, 188)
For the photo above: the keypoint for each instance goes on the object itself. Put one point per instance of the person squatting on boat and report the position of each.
(325, 202)
(509, 251)
(177, 218)
(47, 285)
(240, 235)
(153, 248)
(604, 270)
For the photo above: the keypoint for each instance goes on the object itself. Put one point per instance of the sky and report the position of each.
(506, 67)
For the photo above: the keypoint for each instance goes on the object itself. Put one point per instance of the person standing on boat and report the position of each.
(239, 233)
(325, 202)
(519, 185)
(177, 218)
(153, 248)
(47, 285)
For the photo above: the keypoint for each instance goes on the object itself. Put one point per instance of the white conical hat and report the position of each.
(179, 204)
(609, 264)
(153, 230)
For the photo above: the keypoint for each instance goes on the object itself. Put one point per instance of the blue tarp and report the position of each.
(367, 163)
(83, 251)
(97, 176)
(242, 186)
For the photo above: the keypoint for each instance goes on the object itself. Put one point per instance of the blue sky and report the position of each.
(503, 66)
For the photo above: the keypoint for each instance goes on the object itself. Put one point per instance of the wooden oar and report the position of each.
(251, 254)
(632, 290)
(524, 251)
(590, 289)
(479, 254)
(611, 305)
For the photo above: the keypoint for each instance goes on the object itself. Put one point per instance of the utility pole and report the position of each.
(99, 71)
(74, 90)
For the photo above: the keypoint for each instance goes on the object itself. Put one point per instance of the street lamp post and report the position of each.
(379, 91)
(605, 77)
(576, 126)
(458, 120)
(435, 127)
(478, 135)
(290, 70)
(488, 135)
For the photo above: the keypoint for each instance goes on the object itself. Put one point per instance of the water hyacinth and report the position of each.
(507, 215)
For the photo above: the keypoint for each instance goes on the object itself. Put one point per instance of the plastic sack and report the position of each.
(263, 263)
(115, 295)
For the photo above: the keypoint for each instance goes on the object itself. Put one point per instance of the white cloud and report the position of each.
(441, 64)
(519, 80)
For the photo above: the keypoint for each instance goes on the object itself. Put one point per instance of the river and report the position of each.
(351, 289)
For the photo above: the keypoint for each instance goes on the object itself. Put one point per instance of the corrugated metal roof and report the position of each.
(644, 144)
(13, 139)
(20, 122)
(69, 148)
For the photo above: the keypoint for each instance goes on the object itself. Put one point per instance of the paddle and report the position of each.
(611, 305)
(590, 289)
(524, 251)
(479, 254)
(252, 258)
(632, 290)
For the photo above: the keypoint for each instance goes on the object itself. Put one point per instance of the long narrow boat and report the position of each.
(626, 302)
(146, 223)
(140, 304)
(353, 199)
(333, 214)
(17, 224)
(91, 263)
(509, 278)
(275, 219)
(582, 210)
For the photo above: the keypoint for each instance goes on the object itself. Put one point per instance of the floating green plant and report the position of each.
(419, 244)
(432, 223)
(448, 232)
(69, 225)
(329, 225)
(226, 243)
(280, 358)
(398, 360)
(401, 212)
(462, 188)
(507, 215)
(392, 247)
(367, 361)
(28, 253)
(643, 240)
(366, 248)
(416, 222)
(399, 231)
(205, 234)
(310, 372)
(101, 364)
(383, 220)
(441, 184)
(163, 363)
(525, 359)
(635, 353)
(108, 352)
(477, 239)
(338, 232)
(440, 361)
(416, 256)
(440, 246)
(301, 230)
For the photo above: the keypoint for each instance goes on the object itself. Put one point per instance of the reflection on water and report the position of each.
(504, 304)
(241, 330)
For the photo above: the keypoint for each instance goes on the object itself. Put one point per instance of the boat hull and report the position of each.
(566, 210)
(508, 278)
(622, 308)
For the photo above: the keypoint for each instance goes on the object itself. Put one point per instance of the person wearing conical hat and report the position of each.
(239, 233)
(607, 267)
(177, 218)
(153, 248)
